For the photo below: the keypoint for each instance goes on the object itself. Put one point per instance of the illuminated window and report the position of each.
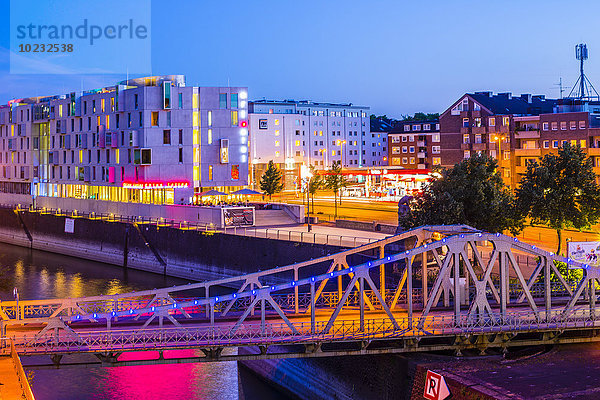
(80, 156)
(234, 118)
(437, 161)
(197, 172)
(222, 100)
(102, 105)
(210, 172)
(573, 142)
(491, 122)
(117, 156)
(195, 118)
(210, 118)
(277, 132)
(112, 104)
(60, 110)
(582, 143)
(195, 100)
(505, 121)
(154, 118)
(209, 137)
(108, 122)
(196, 155)
(234, 100)
(276, 154)
(277, 143)
(333, 152)
(195, 137)
(297, 143)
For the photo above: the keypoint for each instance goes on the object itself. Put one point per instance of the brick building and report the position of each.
(516, 130)
(415, 145)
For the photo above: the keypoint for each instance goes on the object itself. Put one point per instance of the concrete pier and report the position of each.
(13, 381)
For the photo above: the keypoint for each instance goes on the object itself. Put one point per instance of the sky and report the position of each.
(397, 57)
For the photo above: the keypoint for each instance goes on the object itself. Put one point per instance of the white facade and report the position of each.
(292, 133)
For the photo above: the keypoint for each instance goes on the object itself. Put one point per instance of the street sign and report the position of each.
(435, 387)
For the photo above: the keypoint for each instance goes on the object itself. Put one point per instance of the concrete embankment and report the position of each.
(176, 252)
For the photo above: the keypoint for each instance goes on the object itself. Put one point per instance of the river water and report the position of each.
(41, 275)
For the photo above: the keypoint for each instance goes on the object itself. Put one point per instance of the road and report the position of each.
(369, 210)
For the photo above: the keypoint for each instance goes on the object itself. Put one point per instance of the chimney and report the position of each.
(541, 97)
(485, 93)
(507, 95)
(526, 97)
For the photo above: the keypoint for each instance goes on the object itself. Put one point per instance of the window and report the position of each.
(465, 123)
(582, 143)
(435, 137)
(404, 160)
(209, 117)
(581, 124)
(395, 139)
(181, 136)
(234, 100)
(555, 126)
(181, 155)
(546, 144)
(477, 122)
(135, 102)
(412, 160)
(437, 160)
(234, 118)
(154, 118)
(426, 127)
(477, 138)
(492, 121)
(210, 172)
(168, 119)
(406, 128)
(180, 100)
(545, 126)
(416, 127)
(476, 107)
(411, 138)
(466, 138)
(467, 154)
(436, 149)
(555, 144)
(573, 125)
(507, 173)
(505, 121)
(209, 136)
(276, 122)
(167, 136)
(222, 100)
(563, 125)
(411, 149)
(404, 149)
(506, 155)
(396, 150)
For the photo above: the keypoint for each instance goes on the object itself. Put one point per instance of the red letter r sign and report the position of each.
(435, 387)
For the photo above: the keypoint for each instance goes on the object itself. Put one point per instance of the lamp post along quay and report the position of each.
(306, 176)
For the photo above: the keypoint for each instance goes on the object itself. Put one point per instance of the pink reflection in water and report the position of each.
(200, 381)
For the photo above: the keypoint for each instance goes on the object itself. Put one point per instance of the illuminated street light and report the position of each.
(305, 177)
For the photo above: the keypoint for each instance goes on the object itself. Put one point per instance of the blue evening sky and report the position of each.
(398, 57)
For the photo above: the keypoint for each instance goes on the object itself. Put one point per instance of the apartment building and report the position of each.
(415, 145)
(295, 133)
(149, 140)
(516, 130)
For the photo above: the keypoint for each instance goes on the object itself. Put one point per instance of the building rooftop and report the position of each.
(379, 125)
(305, 103)
(506, 103)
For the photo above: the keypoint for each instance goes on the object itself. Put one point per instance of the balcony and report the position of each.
(424, 166)
(593, 151)
(421, 143)
(465, 146)
(422, 154)
(479, 146)
(528, 152)
(527, 134)
(520, 170)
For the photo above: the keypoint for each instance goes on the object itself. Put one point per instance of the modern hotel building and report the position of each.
(295, 133)
(146, 140)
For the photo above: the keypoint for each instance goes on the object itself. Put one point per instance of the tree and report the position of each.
(335, 181)
(421, 117)
(472, 193)
(270, 182)
(315, 183)
(560, 190)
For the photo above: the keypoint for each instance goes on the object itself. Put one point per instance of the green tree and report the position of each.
(315, 183)
(421, 117)
(560, 191)
(472, 193)
(335, 181)
(270, 182)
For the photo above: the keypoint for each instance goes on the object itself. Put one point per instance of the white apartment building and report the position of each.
(294, 133)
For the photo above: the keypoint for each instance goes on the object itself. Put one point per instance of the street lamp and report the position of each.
(305, 176)
(499, 138)
(341, 143)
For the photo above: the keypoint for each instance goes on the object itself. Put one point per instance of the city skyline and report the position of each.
(323, 52)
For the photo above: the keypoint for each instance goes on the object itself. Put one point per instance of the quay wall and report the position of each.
(189, 254)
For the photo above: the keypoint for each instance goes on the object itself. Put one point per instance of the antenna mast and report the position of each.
(583, 88)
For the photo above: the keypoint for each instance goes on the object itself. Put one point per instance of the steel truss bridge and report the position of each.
(434, 288)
